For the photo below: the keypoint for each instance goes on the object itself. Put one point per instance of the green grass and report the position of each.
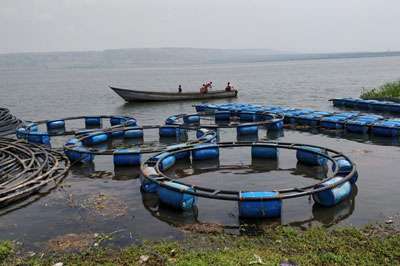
(390, 90)
(317, 246)
(6, 249)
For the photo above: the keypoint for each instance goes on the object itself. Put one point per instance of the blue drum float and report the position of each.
(371, 105)
(58, 127)
(246, 123)
(81, 148)
(328, 192)
(352, 122)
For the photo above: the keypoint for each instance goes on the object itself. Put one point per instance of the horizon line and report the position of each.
(278, 52)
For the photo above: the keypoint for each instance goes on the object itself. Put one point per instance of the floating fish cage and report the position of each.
(59, 127)
(27, 169)
(246, 123)
(8, 122)
(83, 148)
(328, 192)
(353, 122)
(372, 105)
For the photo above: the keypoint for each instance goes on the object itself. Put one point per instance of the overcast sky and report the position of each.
(286, 25)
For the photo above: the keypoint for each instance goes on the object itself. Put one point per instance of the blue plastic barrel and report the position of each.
(95, 138)
(79, 154)
(171, 120)
(308, 156)
(361, 127)
(276, 125)
(21, 133)
(32, 127)
(191, 119)
(167, 160)
(201, 132)
(345, 167)
(265, 152)
(118, 120)
(333, 196)
(92, 121)
(247, 130)
(55, 124)
(179, 155)
(205, 152)
(133, 133)
(130, 122)
(247, 116)
(170, 131)
(126, 157)
(38, 138)
(200, 107)
(146, 184)
(176, 199)
(117, 133)
(259, 209)
(387, 128)
(332, 122)
(222, 115)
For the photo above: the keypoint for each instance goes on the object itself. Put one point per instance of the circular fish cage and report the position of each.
(82, 147)
(59, 127)
(327, 192)
(27, 169)
(246, 123)
(8, 122)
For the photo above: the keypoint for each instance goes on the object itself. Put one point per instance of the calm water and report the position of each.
(34, 94)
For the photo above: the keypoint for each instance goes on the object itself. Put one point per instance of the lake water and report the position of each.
(37, 94)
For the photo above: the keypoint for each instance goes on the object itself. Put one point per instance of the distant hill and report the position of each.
(154, 57)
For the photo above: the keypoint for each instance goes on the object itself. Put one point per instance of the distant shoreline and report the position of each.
(154, 57)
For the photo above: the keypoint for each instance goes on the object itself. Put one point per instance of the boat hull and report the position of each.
(148, 96)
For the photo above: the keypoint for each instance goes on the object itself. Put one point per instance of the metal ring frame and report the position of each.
(109, 131)
(27, 168)
(29, 126)
(235, 195)
(232, 124)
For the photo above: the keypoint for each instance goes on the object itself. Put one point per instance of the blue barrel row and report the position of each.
(373, 105)
(174, 194)
(31, 132)
(78, 148)
(250, 121)
(351, 121)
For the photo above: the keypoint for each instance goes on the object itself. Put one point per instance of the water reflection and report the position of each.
(121, 173)
(252, 137)
(283, 176)
(326, 217)
(330, 216)
(166, 214)
(343, 134)
(264, 165)
(316, 172)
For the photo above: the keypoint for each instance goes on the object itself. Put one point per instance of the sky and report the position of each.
(309, 26)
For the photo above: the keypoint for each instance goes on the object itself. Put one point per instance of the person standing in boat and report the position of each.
(228, 87)
(180, 89)
(203, 89)
(209, 85)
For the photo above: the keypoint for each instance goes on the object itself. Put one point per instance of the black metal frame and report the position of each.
(72, 132)
(235, 195)
(276, 118)
(120, 128)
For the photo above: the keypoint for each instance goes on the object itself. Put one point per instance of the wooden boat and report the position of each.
(142, 96)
